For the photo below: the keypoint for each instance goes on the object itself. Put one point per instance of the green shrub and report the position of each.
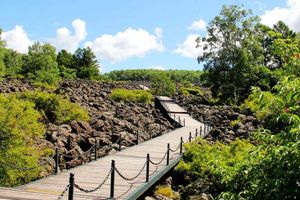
(196, 90)
(139, 96)
(217, 162)
(20, 127)
(54, 108)
(161, 84)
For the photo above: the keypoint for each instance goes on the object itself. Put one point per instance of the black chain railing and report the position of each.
(158, 163)
(174, 150)
(132, 178)
(114, 170)
(61, 196)
(96, 188)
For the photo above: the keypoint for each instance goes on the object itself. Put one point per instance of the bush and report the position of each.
(139, 96)
(218, 163)
(20, 128)
(162, 85)
(54, 108)
(196, 90)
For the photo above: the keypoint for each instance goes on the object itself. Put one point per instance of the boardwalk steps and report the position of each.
(128, 161)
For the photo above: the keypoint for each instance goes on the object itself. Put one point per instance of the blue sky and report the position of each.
(127, 34)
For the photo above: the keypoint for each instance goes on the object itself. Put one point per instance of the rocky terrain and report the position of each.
(109, 120)
(228, 122)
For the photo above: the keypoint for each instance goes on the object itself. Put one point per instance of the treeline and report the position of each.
(177, 76)
(43, 65)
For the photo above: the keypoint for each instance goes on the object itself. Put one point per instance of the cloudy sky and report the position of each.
(128, 34)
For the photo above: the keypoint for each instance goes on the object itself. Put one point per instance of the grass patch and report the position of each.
(193, 90)
(138, 96)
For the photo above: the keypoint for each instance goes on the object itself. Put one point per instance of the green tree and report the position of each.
(14, 62)
(2, 55)
(230, 50)
(280, 45)
(66, 64)
(86, 63)
(40, 64)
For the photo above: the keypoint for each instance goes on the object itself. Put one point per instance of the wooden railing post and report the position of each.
(168, 153)
(56, 160)
(190, 137)
(179, 120)
(184, 122)
(71, 187)
(112, 180)
(196, 134)
(137, 138)
(181, 144)
(147, 167)
(200, 130)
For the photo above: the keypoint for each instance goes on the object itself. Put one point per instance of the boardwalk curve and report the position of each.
(129, 163)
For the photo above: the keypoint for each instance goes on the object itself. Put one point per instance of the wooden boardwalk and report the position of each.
(128, 162)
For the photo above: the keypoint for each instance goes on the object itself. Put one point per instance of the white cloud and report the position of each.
(17, 39)
(64, 38)
(123, 45)
(188, 47)
(199, 25)
(158, 67)
(289, 14)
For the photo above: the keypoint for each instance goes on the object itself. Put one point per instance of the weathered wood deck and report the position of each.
(128, 161)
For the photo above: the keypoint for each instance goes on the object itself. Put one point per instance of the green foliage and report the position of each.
(269, 170)
(194, 90)
(218, 162)
(2, 55)
(273, 176)
(86, 64)
(20, 127)
(67, 73)
(279, 109)
(178, 76)
(162, 85)
(13, 63)
(140, 96)
(40, 64)
(54, 108)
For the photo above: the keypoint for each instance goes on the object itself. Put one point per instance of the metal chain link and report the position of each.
(154, 163)
(130, 179)
(63, 192)
(95, 189)
(175, 149)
